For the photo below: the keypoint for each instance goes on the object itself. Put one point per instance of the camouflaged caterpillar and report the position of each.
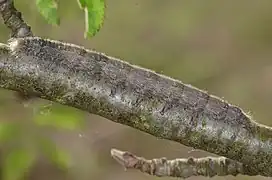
(146, 100)
(181, 167)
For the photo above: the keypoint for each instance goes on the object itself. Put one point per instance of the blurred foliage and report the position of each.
(19, 158)
(58, 116)
(220, 46)
(8, 131)
(54, 153)
(17, 162)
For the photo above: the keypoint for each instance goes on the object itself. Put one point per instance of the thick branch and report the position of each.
(18, 28)
(137, 97)
(184, 168)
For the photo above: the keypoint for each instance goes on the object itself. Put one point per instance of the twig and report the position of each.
(137, 97)
(184, 168)
(13, 19)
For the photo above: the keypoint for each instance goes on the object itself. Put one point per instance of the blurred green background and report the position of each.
(222, 46)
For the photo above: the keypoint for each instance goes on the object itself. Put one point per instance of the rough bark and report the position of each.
(130, 95)
(137, 97)
(13, 19)
(184, 168)
(18, 28)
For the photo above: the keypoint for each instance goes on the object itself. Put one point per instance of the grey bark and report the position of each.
(137, 97)
(130, 95)
(13, 19)
(184, 168)
(18, 28)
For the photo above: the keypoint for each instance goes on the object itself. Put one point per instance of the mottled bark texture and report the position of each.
(137, 97)
(18, 28)
(184, 168)
(13, 19)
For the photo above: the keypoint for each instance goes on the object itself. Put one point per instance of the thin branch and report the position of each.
(137, 97)
(184, 168)
(13, 19)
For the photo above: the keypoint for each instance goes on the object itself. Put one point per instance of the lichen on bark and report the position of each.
(137, 97)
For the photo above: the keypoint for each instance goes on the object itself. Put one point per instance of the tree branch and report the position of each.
(184, 168)
(130, 95)
(13, 19)
(137, 97)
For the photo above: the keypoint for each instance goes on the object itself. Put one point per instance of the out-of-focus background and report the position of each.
(224, 47)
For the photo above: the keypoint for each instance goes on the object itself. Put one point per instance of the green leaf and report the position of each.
(94, 15)
(59, 116)
(8, 131)
(81, 3)
(56, 155)
(48, 9)
(16, 163)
